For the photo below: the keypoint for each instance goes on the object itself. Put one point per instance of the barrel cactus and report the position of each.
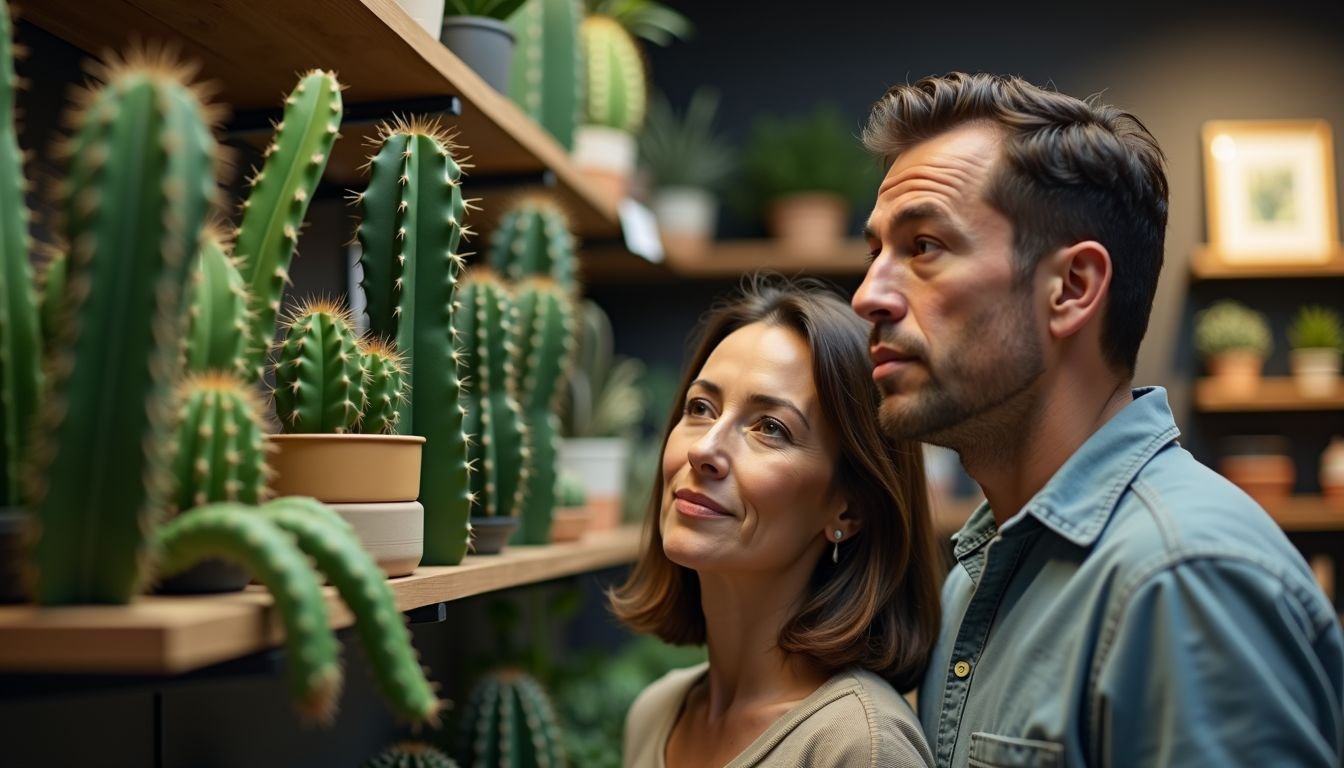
(617, 82)
(413, 220)
(546, 78)
(533, 239)
(411, 754)
(319, 373)
(384, 385)
(221, 443)
(509, 723)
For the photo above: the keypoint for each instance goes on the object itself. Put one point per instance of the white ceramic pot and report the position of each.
(427, 13)
(600, 465)
(392, 533)
(687, 217)
(1332, 474)
(1316, 371)
(600, 148)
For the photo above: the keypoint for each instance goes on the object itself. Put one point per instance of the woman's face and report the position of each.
(747, 470)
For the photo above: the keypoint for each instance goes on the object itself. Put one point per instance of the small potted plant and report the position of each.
(1234, 340)
(475, 30)
(806, 174)
(1316, 338)
(688, 162)
(570, 518)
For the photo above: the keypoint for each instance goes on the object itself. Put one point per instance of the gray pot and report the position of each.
(210, 576)
(485, 45)
(490, 534)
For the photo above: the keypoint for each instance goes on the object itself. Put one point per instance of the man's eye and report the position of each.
(924, 245)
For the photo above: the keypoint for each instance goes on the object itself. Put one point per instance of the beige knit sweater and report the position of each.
(855, 719)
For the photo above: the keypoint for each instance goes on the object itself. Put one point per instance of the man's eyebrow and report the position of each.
(920, 212)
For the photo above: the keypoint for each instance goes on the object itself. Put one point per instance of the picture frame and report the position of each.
(1269, 191)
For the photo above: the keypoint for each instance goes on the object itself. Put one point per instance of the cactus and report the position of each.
(221, 444)
(20, 371)
(384, 385)
(547, 74)
(617, 82)
(219, 337)
(509, 723)
(411, 754)
(542, 355)
(413, 221)
(494, 418)
(319, 376)
(380, 626)
(140, 182)
(278, 200)
(53, 295)
(533, 238)
(238, 533)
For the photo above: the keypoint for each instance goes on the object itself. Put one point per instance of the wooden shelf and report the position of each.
(731, 258)
(1273, 394)
(1205, 266)
(167, 635)
(255, 49)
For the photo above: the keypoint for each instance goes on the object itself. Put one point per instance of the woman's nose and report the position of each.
(707, 456)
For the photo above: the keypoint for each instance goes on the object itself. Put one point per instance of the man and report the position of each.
(1114, 602)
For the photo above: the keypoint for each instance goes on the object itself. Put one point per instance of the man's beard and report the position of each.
(998, 359)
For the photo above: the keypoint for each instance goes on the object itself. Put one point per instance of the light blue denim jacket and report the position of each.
(1140, 610)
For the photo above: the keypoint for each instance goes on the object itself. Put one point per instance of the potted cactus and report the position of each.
(617, 95)
(570, 518)
(1234, 340)
(1316, 337)
(510, 720)
(477, 32)
(546, 77)
(687, 163)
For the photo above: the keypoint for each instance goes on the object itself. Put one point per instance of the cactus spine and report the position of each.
(238, 533)
(139, 184)
(219, 338)
(509, 723)
(533, 238)
(412, 224)
(221, 444)
(411, 754)
(319, 376)
(20, 379)
(542, 352)
(380, 626)
(547, 74)
(494, 418)
(384, 386)
(278, 201)
(617, 82)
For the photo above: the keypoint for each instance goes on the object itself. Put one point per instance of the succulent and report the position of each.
(221, 443)
(281, 191)
(413, 219)
(1316, 328)
(493, 9)
(219, 335)
(494, 421)
(20, 353)
(645, 19)
(319, 376)
(139, 185)
(682, 150)
(411, 754)
(533, 239)
(817, 152)
(546, 78)
(569, 490)
(617, 85)
(604, 399)
(509, 722)
(1228, 326)
(384, 385)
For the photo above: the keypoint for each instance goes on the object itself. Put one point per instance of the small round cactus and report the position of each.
(384, 385)
(411, 754)
(319, 378)
(509, 721)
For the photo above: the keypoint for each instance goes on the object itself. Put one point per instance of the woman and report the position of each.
(791, 537)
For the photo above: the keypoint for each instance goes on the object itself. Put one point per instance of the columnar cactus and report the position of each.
(52, 297)
(221, 443)
(542, 355)
(498, 446)
(319, 376)
(547, 74)
(140, 182)
(411, 754)
(509, 723)
(278, 201)
(617, 83)
(533, 238)
(219, 337)
(384, 385)
(413, 220)
(20, 380)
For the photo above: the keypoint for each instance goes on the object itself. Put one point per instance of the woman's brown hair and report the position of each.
(878, 608)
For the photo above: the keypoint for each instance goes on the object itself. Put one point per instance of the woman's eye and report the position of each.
(773, 428)
(696, 407)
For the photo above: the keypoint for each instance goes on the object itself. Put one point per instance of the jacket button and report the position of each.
(961, 669)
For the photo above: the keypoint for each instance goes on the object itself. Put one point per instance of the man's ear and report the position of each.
(1079, 280)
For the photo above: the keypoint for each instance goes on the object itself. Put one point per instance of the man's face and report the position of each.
(955, 336)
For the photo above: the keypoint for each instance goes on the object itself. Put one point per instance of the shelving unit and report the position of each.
(1205, 266)
(1273, 394)
(728, 259)
(170, 635)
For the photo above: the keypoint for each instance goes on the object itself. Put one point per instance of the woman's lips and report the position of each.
(694, 504)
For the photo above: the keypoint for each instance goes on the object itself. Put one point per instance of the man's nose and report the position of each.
(880, 298)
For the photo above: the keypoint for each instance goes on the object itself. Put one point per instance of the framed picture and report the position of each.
(1269, 191)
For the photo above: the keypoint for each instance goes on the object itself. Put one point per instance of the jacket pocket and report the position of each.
(991, 751)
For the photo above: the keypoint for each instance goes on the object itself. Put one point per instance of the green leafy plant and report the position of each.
(492, 9)
(646, 19)
(1316, 327)
(683, 150)
(605, 396)
(810, 153)
(1229, 326)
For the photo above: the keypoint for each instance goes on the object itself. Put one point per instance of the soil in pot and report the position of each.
(490, 534)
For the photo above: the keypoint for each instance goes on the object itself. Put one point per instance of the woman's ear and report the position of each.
(845, 521)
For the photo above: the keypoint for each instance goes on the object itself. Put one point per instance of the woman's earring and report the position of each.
(835, 553)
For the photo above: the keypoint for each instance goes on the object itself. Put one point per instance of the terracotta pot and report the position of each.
(347, 468)
(1315, 371)
(1237, 373)
(1332, 474)
(1268, 478)
(568, 523)
(809, 223)
(606, 156)
(600, 465)
(393, 533)
(490, 534)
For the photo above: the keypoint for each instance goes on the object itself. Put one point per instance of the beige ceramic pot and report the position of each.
(1315, 371)
(568, 523)
(347, 468)
(809, 223)
(392, 532)
(1332, 474)
(1237, 373)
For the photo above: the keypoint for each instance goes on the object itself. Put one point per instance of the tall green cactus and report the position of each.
(533, 238)
(52, 298)
(547, 74)
(219, 336)
(542, 355)
(413, 219)
(498, 446)
(319, 376)
(384, 386)
(20, 379)
(509, 723)
(140, 182)
(618, 91)
(221, 443)
(274, 210)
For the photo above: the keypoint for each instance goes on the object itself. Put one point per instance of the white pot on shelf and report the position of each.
(687, 217)
(427, 13)
(1316, 371)
(607, 157)
(600, 465)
